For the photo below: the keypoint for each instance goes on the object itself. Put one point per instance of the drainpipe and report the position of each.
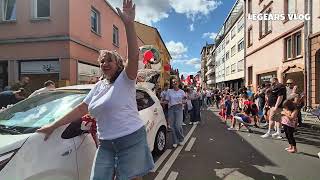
(245, 43)
(307, 47)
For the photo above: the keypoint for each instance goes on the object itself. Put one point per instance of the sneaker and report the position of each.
(183, 124)
(275, 135)
(174, 145)
(196, 122)
(181, 143)
(231, 129)
(266, 135)
(264, 125)
(190, 123)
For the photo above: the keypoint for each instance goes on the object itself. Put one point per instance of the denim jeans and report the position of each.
(175, 120)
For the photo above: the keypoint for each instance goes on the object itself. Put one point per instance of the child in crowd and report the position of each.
(243, 119)
(289, 121)
(228, 108)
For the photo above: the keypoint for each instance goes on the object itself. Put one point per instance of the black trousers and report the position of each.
(289, 131)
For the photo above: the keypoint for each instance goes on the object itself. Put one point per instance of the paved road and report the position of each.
(221, 154)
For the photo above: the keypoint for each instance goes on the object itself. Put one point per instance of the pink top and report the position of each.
(289, 122)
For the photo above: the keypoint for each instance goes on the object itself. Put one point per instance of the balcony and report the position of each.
(210, 71)
(210, 82)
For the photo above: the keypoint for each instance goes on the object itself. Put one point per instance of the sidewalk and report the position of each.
(309, 120)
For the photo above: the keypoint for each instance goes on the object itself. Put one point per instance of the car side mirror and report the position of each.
(73, 130)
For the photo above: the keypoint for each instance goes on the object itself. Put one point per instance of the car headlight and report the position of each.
(6, 157)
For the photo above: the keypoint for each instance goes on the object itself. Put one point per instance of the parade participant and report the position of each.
(195, 97)
(176, 98)
(243, 119)
(228, 107)
(164, 105)
(123, 151)
(289, 120)
(23, 83)
(48, 86)
(275, 101)
(11, 97)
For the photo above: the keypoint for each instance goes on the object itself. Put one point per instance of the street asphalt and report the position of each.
(217, 153)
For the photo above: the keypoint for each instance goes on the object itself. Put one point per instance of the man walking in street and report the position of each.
(11, 97)
(48, 86)
(23, 83)
(275, 101)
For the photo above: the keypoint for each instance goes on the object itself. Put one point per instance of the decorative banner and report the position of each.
(150, 54)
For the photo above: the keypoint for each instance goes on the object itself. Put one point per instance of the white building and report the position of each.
(230, 50)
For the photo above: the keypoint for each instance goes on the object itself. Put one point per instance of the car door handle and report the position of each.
(155, 111)
(67, 153)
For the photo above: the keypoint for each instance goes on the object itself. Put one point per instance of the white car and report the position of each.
(68, 153)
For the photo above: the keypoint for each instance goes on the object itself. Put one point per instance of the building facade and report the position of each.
(275, 48)
(57, 40)
(220, 59)
(234, 47)
(207, 66)
(315, 55)
(211, 73)
(151, 36)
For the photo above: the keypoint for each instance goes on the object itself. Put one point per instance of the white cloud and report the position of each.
(177, 49)
(198, 66)
(191, 27)
(185, 74)
(194, 8)
(147, 11)
(193, 61)
(210, 35)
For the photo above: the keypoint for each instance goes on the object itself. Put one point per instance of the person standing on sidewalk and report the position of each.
(275, 101)
(164, 104)
(195, 97)
(176, 98)
(123, 151)
(289, 120)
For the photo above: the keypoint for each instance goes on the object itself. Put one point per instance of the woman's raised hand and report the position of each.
(128, 12)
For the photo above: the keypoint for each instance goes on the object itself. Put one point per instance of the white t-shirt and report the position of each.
(114, 106)
(175, 97)
(163, 94)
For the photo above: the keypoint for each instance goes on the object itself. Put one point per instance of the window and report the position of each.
(289, 48)
(289, 7)
(293, 46)
(233, 68)
(8, 9)
(250, 75)
(227, 55)
(240, 45)
(250, 36)
(297, 45)
(143, 100)
(241, 65)
(265, 26)
(41, 8)
(240, 24)
(115, 36)
(95, 21)
(233, 33)
(227, 39)
(249, 6)
(228, 71)
(233, 50)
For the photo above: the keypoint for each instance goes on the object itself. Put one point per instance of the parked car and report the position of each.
(24, 154)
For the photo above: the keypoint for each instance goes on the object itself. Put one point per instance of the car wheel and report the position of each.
(160, 141)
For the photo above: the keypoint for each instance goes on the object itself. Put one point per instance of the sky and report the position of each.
(185, 26)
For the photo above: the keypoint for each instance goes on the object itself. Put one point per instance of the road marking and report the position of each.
(161, 159)
(173, 175)
(173, 157)
(190, 144)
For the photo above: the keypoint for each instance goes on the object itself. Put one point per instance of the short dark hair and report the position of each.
(48, 83)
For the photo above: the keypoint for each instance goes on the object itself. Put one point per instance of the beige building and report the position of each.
(207, 72)
(274, 48)
(57, 39)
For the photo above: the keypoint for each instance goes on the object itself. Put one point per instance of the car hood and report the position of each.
(11, 142)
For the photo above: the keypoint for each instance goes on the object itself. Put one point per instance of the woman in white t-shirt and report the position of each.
(123, 150)
(176, 97)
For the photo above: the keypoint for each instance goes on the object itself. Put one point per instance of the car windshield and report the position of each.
(40, 110)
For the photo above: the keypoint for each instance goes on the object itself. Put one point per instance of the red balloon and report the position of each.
(147, 56)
